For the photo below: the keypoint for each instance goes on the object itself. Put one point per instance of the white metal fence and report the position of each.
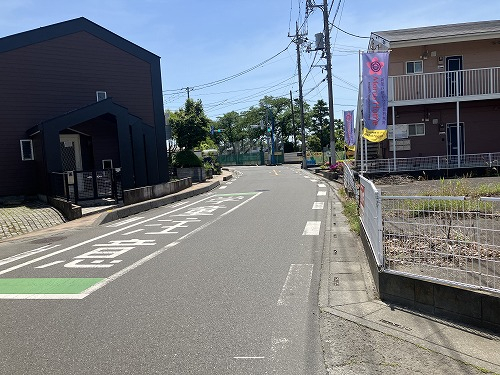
(451, 239)
(370, 213)
(350, 184)
(428, 163)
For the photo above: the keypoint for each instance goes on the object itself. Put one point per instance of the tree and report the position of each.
(232, 133)
(320, 123)
(339, 134)
(190, 125)
(314, 143)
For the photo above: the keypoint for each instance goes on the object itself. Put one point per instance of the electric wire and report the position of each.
(229, 78)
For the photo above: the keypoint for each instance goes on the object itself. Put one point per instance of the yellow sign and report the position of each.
(374, 135)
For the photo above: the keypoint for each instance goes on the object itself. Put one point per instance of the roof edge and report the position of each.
(73, 26)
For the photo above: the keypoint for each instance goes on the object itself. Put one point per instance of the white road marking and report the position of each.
(249, 357)
(97, 238)
(123, 222)
(321, 185)
(297, 284)
(321, 193)
(318, 205)
(124, 271)
(51, 264)
(42, 296)
(120, 273)
(313, 180)
(312, 228)
(134, 231)
(223, 187)
(26, 254)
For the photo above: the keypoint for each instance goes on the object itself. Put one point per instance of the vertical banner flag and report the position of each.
(375, 68)
(349, 135)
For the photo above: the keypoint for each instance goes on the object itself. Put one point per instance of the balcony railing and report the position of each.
(445, 86)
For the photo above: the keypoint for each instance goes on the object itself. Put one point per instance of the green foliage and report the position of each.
(460, 187)
(208, 144)
(190, 126)
(350, 210)
(186, 159)
(314, 143)
(320, 123)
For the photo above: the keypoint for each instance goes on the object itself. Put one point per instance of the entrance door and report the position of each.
(454, 76)
(452, 141)
(71, 154)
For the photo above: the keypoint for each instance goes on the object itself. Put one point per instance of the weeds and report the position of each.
(350, 210)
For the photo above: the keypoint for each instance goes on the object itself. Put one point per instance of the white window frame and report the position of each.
(415, 129)
(101, 95)
(413, 62)
(25, 157)
(107, 161)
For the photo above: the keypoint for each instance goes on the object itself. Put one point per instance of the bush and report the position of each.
(186, 159)
(210, 162)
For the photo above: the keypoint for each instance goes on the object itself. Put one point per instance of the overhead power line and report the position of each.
(348, 33)
(223, 80)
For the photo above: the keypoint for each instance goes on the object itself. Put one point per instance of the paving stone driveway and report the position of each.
(26, 217)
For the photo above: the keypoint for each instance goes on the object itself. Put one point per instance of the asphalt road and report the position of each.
(222, 283)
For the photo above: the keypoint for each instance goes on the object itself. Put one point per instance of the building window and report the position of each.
(415, 130)
(101, 95)
(107, 164)
(27, 149)
(414, 67)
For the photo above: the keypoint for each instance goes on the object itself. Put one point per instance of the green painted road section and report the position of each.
(46, 285)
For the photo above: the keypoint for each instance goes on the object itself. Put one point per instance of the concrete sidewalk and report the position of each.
(362, 334)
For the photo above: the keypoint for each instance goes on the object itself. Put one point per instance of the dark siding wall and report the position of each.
(104, 141)
(48, 79)
(481, 126)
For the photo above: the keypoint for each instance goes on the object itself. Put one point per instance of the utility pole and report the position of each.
(187, 89)
(329, 81)
(297, 39)
(326, 31)
(293, 121)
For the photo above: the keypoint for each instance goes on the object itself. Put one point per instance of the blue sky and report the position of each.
(204, 41)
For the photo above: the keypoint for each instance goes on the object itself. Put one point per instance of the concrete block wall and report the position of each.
(468, 306)
(146, 193)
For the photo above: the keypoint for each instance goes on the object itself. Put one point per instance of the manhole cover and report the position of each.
(42, 241)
